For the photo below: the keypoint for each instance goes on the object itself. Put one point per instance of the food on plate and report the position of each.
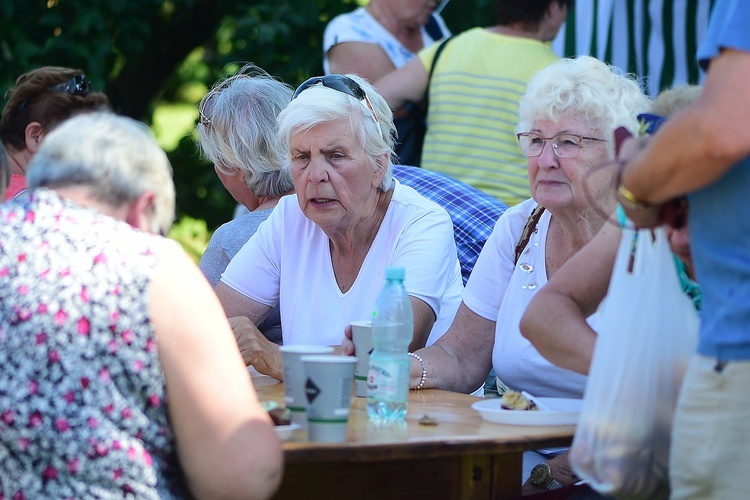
(279, 415)
(513, 400)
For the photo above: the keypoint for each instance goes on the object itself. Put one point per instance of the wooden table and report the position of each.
(461, 457)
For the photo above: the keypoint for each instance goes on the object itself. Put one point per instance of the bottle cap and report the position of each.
(395, 273)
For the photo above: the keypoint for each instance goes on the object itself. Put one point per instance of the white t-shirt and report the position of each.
(288, 261)
(499, 291)
(360, 26)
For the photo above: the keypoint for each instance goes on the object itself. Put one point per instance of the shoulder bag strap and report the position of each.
(432, 69)
(528, 230)
(433, 28)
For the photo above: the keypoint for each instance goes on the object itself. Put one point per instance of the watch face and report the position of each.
(540, 475)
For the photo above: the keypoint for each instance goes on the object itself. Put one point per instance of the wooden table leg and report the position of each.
(476, 477)
(506, 475)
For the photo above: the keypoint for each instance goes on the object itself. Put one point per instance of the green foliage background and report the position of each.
(155, 59)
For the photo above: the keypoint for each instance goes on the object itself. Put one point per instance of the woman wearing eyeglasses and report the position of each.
(40, 100)
(567, 118)
(581, 285)
(322, 254)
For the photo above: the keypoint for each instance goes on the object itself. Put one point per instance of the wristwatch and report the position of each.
(628, 198)
(541, 476)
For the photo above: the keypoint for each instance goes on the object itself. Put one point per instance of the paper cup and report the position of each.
(362, 338)
(294, 378)
(328, 388)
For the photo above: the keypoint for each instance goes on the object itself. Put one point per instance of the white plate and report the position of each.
(285, 431)
(562, 411)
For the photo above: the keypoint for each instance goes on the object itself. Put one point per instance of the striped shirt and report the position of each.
(474, 93)
(473, 212)
(654, 39)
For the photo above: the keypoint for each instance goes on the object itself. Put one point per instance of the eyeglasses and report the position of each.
(342, 84)
(78, 85)
(205, 121)
(564, 145)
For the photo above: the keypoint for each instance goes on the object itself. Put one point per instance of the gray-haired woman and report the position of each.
(322, 254)
(120, 373)
(237, 133)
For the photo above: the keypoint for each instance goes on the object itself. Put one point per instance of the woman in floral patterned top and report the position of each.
(119, 373)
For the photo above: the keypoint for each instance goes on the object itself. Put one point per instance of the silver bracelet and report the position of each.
(424, 371)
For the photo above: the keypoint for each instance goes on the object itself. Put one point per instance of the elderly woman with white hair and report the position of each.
(322, 254)
(121, 376)
(237, 132)
(567, 119)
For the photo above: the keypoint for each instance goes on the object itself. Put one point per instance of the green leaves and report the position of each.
(142, 53)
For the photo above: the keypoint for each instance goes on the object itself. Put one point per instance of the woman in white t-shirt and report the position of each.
(567, 118)
(322, 254)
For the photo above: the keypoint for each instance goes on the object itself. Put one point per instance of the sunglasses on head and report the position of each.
(205, 121)
(340, 83)
(202, 114)
(78, 85)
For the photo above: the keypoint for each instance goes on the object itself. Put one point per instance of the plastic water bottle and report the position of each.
(392, 331)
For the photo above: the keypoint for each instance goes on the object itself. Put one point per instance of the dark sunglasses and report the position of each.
(340, 83)
(78, 85)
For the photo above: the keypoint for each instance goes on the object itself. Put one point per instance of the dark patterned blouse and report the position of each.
(82, 394)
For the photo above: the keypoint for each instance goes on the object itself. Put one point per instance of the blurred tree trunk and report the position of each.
(173, 37)
(144, 53)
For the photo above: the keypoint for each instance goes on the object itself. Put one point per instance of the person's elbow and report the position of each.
(263, 472)
(251, 468)
(530, 324)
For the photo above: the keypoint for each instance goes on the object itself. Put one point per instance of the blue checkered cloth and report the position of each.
(472, 211)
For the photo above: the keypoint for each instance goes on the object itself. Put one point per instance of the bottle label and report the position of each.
(388, 380)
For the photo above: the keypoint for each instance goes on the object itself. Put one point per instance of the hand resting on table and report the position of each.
(256, 349)
(264, 355)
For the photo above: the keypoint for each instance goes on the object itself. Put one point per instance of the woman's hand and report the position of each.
(347, 345)
(256, 349)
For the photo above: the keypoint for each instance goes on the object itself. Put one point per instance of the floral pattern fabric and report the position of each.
(82, 393)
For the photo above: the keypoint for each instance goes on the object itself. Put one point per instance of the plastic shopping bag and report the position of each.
(649, 331)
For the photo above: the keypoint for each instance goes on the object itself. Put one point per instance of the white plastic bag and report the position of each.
(649, 331)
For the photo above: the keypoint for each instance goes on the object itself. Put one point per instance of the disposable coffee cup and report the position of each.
(362, 338)
(328, 388)
(294, 378)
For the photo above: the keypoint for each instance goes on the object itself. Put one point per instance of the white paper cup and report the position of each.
(362, 338)
(294, 378)
(328, 388)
